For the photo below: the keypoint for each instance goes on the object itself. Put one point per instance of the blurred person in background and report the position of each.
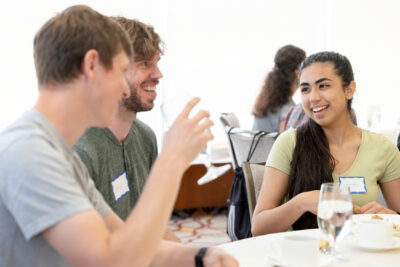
(275, 97)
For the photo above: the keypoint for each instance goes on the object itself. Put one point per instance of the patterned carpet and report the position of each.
(200, 227)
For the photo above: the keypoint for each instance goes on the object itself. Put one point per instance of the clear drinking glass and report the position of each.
(335, 209)
(170, 109)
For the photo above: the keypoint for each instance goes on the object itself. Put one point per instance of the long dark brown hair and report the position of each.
(312, 162)
(277, 87)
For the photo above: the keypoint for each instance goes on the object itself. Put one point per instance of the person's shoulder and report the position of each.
(282, 151)
(286, 108)
(90, 140)
(26, 131)
(289, 105)
(376, 139)
(143, 127)
(289, 133)
(373, 136)
(92, 134)
(23, 142)
(144, 136)
(298, 106)
(287, 138)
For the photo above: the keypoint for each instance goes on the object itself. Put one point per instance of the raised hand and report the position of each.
(186, 137)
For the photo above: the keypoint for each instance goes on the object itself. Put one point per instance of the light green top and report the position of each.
(378, 160)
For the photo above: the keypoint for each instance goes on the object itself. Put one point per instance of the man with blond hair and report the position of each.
(51, 213)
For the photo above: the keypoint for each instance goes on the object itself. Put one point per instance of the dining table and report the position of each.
(257, 251)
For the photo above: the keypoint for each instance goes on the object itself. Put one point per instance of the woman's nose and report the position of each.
(314, 95)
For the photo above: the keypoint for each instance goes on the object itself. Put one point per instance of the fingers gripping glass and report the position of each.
(170, 110)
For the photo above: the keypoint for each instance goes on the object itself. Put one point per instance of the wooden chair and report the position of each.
(253, 175)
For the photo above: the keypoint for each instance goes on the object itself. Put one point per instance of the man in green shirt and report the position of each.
(123, 153)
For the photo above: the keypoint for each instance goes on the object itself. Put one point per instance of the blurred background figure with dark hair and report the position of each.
(275, 98)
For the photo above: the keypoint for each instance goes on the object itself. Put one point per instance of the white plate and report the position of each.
(322, 261)
(393, 218)
(395, 244)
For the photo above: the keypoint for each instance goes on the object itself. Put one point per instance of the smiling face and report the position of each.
(143, 77)
(323, 96)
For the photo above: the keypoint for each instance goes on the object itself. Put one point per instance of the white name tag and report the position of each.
(356, 184)
(120, 186)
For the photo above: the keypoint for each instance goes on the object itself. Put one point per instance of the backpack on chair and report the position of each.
(239, 221)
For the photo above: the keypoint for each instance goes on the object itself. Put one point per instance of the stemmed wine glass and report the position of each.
(335, 209)
(170, 109)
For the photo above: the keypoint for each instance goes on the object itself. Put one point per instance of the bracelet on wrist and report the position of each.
(198, 259)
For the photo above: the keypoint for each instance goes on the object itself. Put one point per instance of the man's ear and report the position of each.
(89, 64)
(350, 90)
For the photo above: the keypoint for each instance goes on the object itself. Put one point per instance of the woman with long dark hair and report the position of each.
(275, 98)
(328, 148)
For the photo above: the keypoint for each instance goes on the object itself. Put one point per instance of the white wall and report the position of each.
(19, 22)
(221, 50)
(368, 33)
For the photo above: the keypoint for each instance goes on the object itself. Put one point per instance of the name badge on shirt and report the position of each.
(120, 186)
(355, 183)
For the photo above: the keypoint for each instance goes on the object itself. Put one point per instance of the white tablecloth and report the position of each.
(254, 251)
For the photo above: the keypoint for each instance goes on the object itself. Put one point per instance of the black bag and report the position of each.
(239, 221)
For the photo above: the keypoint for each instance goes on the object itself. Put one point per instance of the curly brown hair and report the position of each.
(277, 88)
(145, 41)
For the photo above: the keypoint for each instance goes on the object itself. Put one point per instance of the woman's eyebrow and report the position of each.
(317, 82)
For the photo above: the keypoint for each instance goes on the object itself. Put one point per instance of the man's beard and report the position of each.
(134, 104)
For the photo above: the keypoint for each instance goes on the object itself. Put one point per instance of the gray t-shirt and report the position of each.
(270, 123)
(42, 182)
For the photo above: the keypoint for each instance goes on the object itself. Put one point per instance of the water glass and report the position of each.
(335, 210)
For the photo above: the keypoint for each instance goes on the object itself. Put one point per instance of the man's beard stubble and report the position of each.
(134, 104)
